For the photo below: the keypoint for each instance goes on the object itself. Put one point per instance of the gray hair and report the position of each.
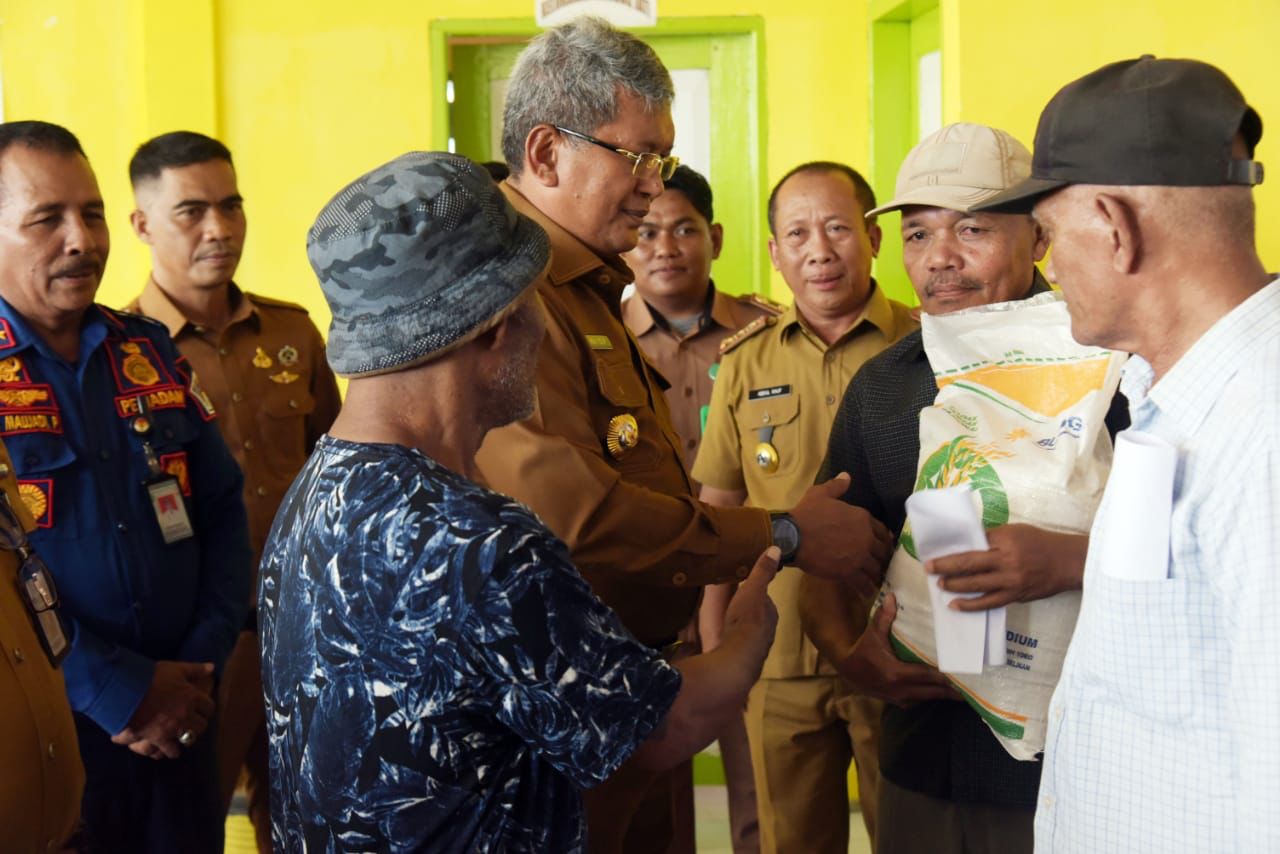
(571, 76)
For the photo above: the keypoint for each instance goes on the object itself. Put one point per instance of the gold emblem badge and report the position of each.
(623, 435)
(288, 356)
(261, 359)
(136, 367)
(10, 370)
(767, 457)
(33, 496)
(142, 425)
(283, 377)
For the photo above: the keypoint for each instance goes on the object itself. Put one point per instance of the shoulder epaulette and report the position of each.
(762, 322)
(276, 303)
(120, 315)
(763, 303)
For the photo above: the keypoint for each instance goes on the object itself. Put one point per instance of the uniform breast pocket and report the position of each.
(45, 468)
(769, 433)
(1151, 645)
(623, 426)
(282, 426)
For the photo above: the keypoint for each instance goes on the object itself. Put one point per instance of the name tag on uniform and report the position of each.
(170, 509)
(770, 392)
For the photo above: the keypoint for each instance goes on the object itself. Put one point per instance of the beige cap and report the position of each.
(957, 167)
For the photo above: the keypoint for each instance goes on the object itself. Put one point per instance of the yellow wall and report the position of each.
(309, 94)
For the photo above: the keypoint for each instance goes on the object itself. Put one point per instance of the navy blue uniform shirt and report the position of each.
(71, 430)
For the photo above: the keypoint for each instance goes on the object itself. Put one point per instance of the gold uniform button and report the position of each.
(223, 351)
(236, 397)
(262, 491)
(831, 398)
(679, 579)
(830, 357)
(17, 655)
(765, 418)
(248, 444)
(52, 752)
(293, 404)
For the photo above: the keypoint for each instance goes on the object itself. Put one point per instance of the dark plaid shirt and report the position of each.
(941, 748)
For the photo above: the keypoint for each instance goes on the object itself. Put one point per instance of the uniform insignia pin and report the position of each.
(284, 377)
(261, 359)
(288, 356)
(623, 435)
(767, 457)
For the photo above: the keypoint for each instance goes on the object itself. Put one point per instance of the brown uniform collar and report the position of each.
(640, 317)
(877, 312)
(570, 257)
(155, 303)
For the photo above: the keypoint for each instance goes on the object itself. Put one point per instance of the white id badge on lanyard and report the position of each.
(170, 509)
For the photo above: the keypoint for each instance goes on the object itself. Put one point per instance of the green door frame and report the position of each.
(744, 266)
(901, 32)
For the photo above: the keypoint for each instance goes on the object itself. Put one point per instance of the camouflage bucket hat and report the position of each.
(416, 257)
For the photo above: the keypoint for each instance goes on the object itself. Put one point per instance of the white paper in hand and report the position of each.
(945, 522)
(1138, 504)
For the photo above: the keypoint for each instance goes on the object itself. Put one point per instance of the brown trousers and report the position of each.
(241, 740)
(804, 732)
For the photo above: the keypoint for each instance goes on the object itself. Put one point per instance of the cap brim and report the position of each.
(962, 199)
(1020, 198)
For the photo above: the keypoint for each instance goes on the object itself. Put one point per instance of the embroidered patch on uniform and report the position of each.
(168, 397)
(24, 397)
(12, 370)
(14, 423)
(136, 365)
(203, 402)
(599, 342)
(38, 496)
(6, 335)
(176, 465)
(769, 392)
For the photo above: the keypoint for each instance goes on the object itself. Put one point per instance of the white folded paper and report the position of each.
(1133, 544)
(945, 522)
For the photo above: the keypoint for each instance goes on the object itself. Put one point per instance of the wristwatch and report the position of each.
(786, 536)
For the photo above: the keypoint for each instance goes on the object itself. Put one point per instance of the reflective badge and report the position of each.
(38, 496)
(288, 356)
(136, 367)
(623, 435)
(261, 359)
(284, 377)
(176, 465)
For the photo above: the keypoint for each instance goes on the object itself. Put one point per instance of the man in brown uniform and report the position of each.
(776, 395)
(587, 129)
(41, 777)
(260, 360)
(679, 318)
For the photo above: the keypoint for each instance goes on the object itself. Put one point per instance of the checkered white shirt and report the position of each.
(1164, 731)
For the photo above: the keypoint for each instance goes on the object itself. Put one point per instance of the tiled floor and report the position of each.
(711, 806)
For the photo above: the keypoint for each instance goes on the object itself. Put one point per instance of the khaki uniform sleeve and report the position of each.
(555, 462)
(719, 462)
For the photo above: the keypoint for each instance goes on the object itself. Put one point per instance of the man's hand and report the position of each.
(1023, 563)
(751, 618)
(180, 699)
(872, 668)
(840, 541)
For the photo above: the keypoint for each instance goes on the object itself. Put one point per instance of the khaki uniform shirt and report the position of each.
(270, 384)
(636, 532)
(782, 385)
(686, 362)
(41, 778)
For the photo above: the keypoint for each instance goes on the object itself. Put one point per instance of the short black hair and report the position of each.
(41, 136)
(695, 188)
(861, 189)
(173, 151)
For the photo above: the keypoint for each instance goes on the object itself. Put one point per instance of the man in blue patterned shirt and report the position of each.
(438, 676)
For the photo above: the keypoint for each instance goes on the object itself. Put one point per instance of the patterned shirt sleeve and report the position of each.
(563, 673)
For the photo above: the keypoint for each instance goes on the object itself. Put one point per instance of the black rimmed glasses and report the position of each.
(643, 164)
(35, 583)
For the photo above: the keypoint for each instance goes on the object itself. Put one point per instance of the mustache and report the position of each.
(218, 249)
(951, 280)
(78, 267)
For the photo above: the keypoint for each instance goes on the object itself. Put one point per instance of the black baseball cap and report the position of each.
(1140, 122)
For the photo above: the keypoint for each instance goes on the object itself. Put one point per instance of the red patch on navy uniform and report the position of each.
(136, 365)
(6, 335)
(167, 397)
(38, 496)
(176, 465)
